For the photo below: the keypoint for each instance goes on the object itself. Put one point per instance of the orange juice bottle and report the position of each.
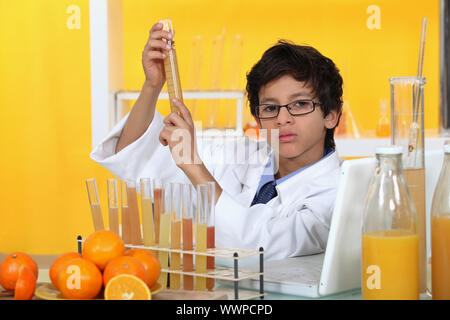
(440, 233)
(390, 243)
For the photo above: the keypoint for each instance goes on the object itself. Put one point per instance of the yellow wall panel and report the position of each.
(366, 57)
(45, 126)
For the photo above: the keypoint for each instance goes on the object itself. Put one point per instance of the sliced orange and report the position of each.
(127, 287)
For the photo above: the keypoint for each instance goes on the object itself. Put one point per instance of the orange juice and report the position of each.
(390, 265)
(440, 257)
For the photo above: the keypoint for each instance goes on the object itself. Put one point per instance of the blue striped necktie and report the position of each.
(266, 193)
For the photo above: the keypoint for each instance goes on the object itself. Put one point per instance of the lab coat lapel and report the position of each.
(249, 174)
(302, 185)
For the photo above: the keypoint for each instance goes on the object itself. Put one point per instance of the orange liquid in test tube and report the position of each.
(171, 69)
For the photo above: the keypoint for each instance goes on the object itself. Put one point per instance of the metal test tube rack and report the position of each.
(220, 273)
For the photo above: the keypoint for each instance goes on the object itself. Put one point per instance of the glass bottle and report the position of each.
(390, 244)
(440, 232)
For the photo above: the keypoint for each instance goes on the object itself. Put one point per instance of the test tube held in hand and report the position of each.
(126, 224)
(133, 212)
(94, 201)
(188, 240)
(147, 212)
(113, 206)
(171, 68)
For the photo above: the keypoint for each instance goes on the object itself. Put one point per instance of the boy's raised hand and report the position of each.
(179, 134)
(155, 50)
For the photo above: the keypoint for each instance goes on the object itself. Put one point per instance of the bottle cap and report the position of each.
(389, 150)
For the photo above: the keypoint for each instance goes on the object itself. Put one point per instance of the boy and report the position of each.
(281, 196)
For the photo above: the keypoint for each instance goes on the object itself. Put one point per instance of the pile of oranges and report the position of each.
(18, 273)
(106, 264)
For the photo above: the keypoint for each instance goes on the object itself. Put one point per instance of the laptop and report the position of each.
(339, 268)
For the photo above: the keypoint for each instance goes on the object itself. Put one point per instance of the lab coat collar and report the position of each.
(303, 182)
(249, 172)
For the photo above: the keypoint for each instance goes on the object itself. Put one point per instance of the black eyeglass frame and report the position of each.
(287, 107)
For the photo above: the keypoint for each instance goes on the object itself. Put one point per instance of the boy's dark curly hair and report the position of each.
(305, 64)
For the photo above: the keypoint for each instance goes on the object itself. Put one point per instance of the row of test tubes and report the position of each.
(172, 214)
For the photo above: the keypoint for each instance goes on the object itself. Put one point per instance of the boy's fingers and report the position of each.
(175, 120)
(185, 114)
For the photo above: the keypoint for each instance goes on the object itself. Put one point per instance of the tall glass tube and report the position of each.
(188, 240)
(175, 234)
(113, 206)
(94, 201)
(407, 121)
(158, 198)
(171, 69)
(203, 212)
(133, 211)
(210, 233)
(164, 232)
(147, 211)
(126, 223)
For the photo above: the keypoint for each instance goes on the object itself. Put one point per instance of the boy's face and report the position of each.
(301, 138)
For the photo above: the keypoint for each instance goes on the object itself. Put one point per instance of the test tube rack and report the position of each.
(219, 273)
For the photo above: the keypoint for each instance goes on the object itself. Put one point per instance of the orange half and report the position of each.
(127, 287)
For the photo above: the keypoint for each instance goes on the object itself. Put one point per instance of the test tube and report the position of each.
(126, 224)
(158, 198)
(133, 213)
(171, 68)
(210, 234)
(94, 201)
(164, 233)
(147, 212)
(203, 211)
(113, 206)
(188, 240)
(175, 233)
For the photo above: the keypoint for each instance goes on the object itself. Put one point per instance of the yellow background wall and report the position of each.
(45, 124)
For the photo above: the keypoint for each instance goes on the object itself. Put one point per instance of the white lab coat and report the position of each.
(294, 223)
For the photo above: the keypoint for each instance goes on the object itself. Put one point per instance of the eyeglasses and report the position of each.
(296, 108)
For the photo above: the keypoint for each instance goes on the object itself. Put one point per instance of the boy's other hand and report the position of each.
(155, 50)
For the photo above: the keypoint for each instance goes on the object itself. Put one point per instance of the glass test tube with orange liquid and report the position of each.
(94, 201)
(113, 206)
(203, 212)
(158, 198)
(210, 234)
(133, 212)
(188, 240)
(175, 234)
(171, 69)
(147, 212)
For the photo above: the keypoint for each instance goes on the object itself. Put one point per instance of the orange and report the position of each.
(103, 246)
(25, 285)
(150, 262)
(9, 268)
(124, 265)
(127, 287)
(58, 263)
(79, 278)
